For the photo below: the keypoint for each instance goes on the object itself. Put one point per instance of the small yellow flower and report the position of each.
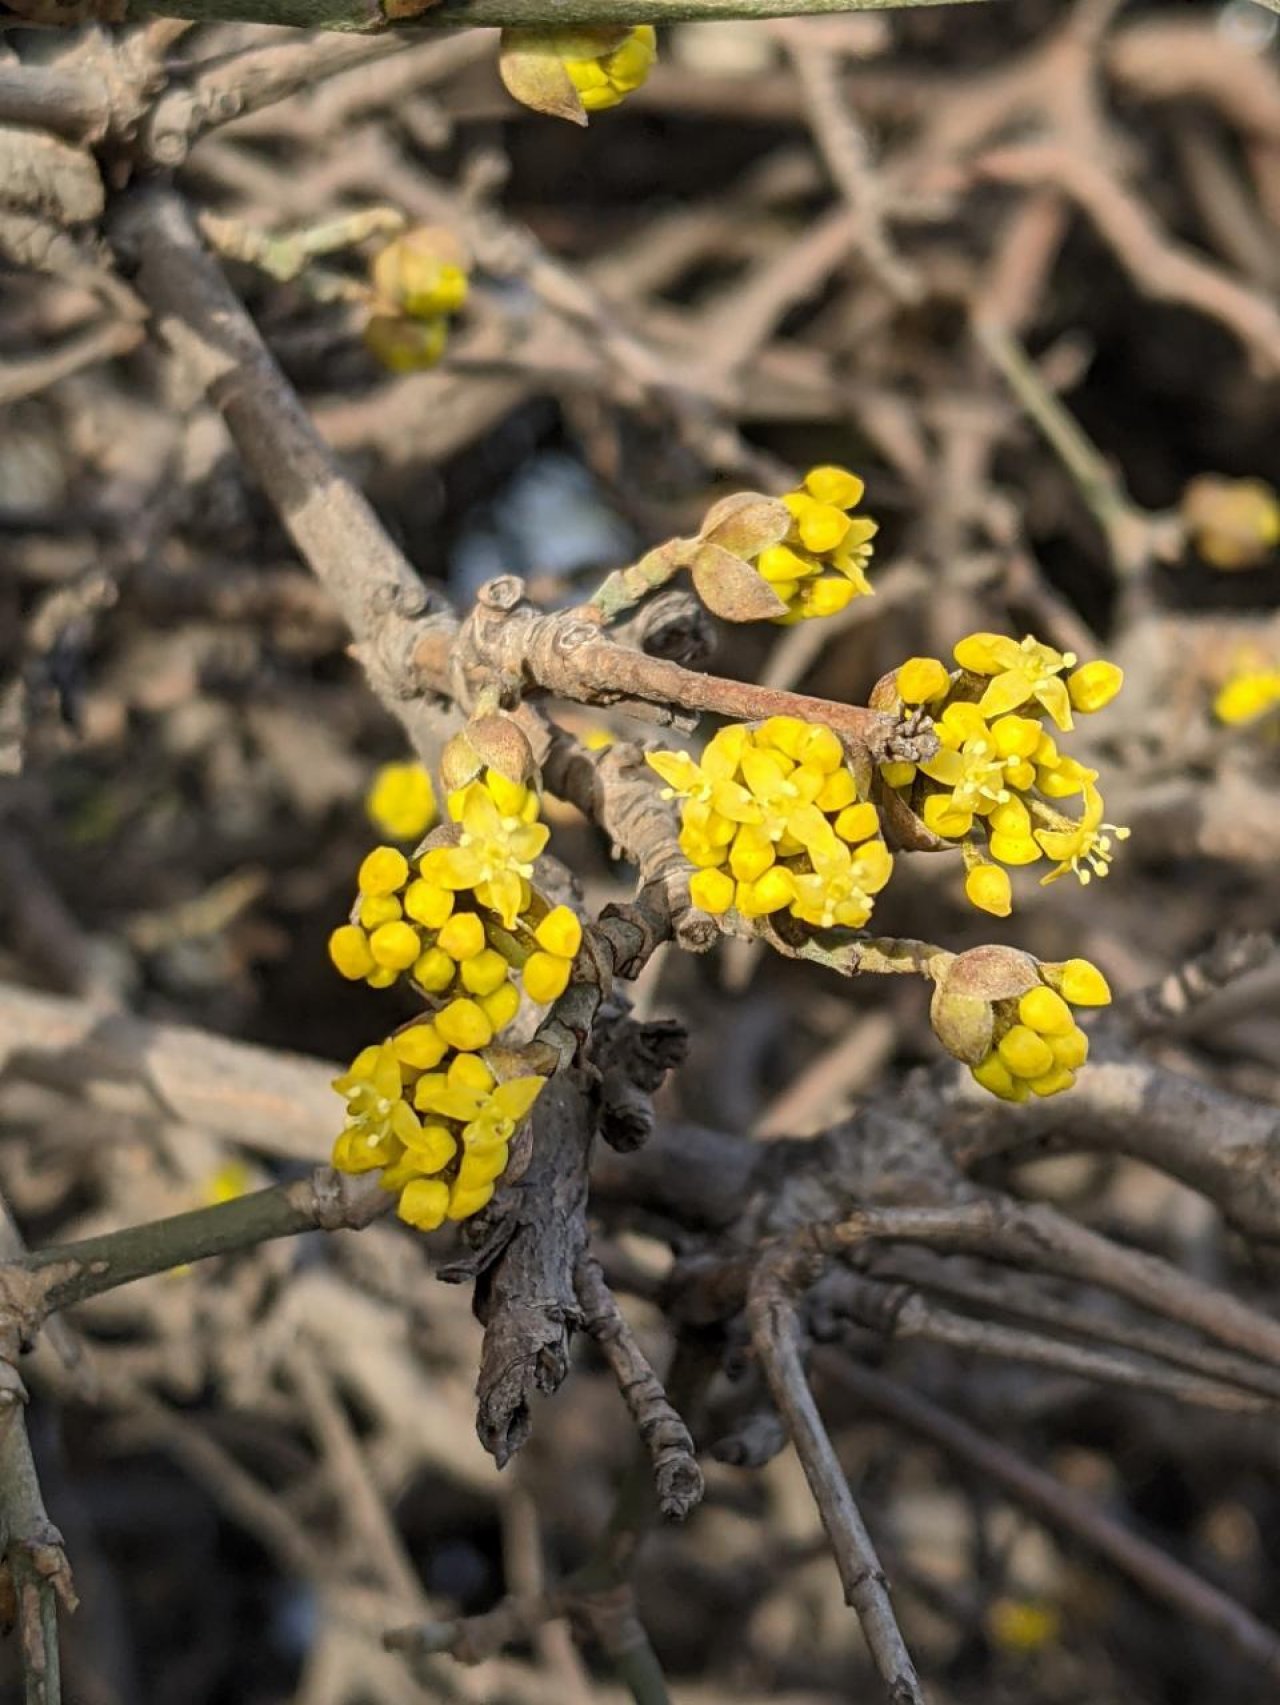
(495, 853)
(382, 872)
(988, 887)
(401, 803)
(349, 951)
(1083, 849)
(1020, 670)
(921, 680)
(1037, 1045)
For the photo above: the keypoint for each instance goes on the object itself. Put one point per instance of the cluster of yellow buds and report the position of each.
(419, 282)
(401, 802)
(436, 1118)
(1247, 695)
(430, 1106)
(774, 820)
(820, 566)
(997, 779)
(572, 72)
(1008, 1017)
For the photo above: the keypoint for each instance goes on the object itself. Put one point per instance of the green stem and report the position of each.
(68, 1273)
(371, 16)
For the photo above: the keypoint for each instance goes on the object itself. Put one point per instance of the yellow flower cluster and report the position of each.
(458, 929)
(773, 821)
(604, 74)
(1247, 695)
(1037, 1046)
(419, 281)
(435, 1118)
(821, 564)
(995, 783)
(401, 802)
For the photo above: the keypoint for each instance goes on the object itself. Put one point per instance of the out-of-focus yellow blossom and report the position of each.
(419, 279)
(435, 1121)
(773, 821)
(402, 345)
(401, 802)
(1248, 695)
(1023, 1625)
(821, 565)
(1234, 524)
(994, 783)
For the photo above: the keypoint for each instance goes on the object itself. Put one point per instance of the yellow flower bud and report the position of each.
(1093, 685)
(769, 893)
(833, 485)
(481, 1167)
(1081, 983)
(898, 774)
(423, 1203)
(711, 891)
(427, 904)
(382, 871)
(511, 797)
(820, 749)
(1071, 1050)
(858, 823)
(464, 1026)
(468, 1071)
(420, 1046)
(395, 946)
(546, 977)
(483, 973)
(1246, 697)
(751, 853)
(501, 1006)
(945, 818)
(434, 971)
(402, 345)
(780, 566)
(560, 932)
(827, 596)
(837, 791)
(1053, 1082)
(381, 978)
(993, 1075)
(1024, 1053)
(922, 679)
(464, 1203)
(378, 909)
(349, 951)
(401, 802)
(988, 888)
(1046, 1012)
(462, 936)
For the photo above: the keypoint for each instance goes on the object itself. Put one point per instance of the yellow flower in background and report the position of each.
(1246, 696)
(401, 802)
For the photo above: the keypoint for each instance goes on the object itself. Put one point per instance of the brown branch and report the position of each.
(776, 1337)
(381, 598)
(1158, 266)
(1151, 1569)
(675, 1470)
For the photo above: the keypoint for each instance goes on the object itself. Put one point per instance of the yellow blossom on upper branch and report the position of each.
(570, 73)
(773, 821)
(821, 565)
(1247, 695)
(997, 781)
(401, 802)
